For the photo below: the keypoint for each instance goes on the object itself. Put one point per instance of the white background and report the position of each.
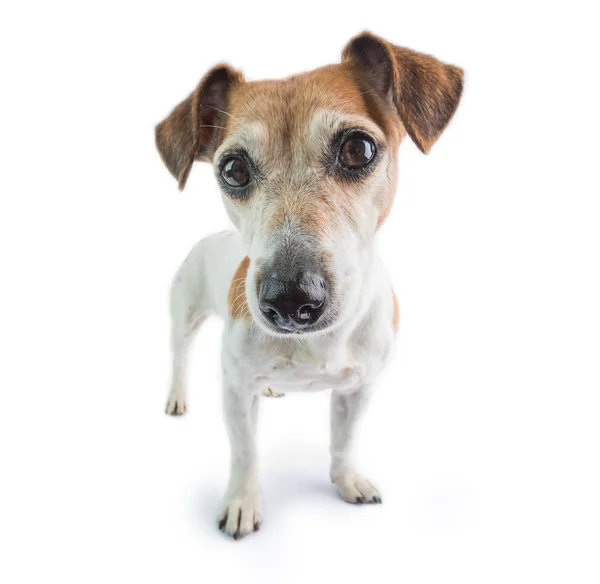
(484, 435)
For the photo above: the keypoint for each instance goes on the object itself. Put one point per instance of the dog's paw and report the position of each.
(355, 488)
(270, 393)
(241, 515)
(176, 404)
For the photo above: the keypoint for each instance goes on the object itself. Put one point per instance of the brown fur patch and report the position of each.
(236, 299)
(396, 313)
(192, 130)
(426, 91)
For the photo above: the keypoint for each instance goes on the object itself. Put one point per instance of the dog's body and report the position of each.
(307, 166)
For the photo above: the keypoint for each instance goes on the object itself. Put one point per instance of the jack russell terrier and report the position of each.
(307, 169)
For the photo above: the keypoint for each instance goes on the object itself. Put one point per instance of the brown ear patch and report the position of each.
(193, 130)
(395, 313)
(425, 91)
(237, 303)
(427, 96)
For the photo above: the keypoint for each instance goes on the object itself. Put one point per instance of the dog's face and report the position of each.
(307, 168)
(307, 176)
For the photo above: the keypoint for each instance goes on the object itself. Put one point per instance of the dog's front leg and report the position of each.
(346, 409)
(241, 513)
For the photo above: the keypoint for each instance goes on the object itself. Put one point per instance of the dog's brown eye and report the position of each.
(357, 152)
(235, 173)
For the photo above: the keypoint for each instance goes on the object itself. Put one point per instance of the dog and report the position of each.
(307, 169)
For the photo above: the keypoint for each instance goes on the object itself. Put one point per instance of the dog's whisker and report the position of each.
(238, 297)
(211, 126)
(221, 111)
(356, 96)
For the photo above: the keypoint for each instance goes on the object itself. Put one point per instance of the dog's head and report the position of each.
(307, 168)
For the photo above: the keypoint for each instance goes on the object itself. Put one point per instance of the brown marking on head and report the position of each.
(237, 303)
(332, 87)
(395, 313)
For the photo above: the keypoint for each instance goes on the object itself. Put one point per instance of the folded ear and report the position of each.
(424, 90)
(193, 129)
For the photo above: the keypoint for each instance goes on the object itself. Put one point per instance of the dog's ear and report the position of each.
(424, 90)
(193, 129)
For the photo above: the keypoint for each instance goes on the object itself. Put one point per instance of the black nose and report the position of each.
(293, 305)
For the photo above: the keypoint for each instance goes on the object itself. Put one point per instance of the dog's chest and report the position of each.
(307, 372)
(339, 362)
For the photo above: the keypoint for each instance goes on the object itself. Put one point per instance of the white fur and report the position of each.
(345, 358)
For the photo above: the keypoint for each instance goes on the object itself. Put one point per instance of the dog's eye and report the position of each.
(357, 152)
(235, 172)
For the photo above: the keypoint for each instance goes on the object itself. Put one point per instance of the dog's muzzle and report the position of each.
(293, 306)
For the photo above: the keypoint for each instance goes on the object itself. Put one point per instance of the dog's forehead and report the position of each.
(285, 108)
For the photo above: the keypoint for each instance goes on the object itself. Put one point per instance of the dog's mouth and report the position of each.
(288, 326)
